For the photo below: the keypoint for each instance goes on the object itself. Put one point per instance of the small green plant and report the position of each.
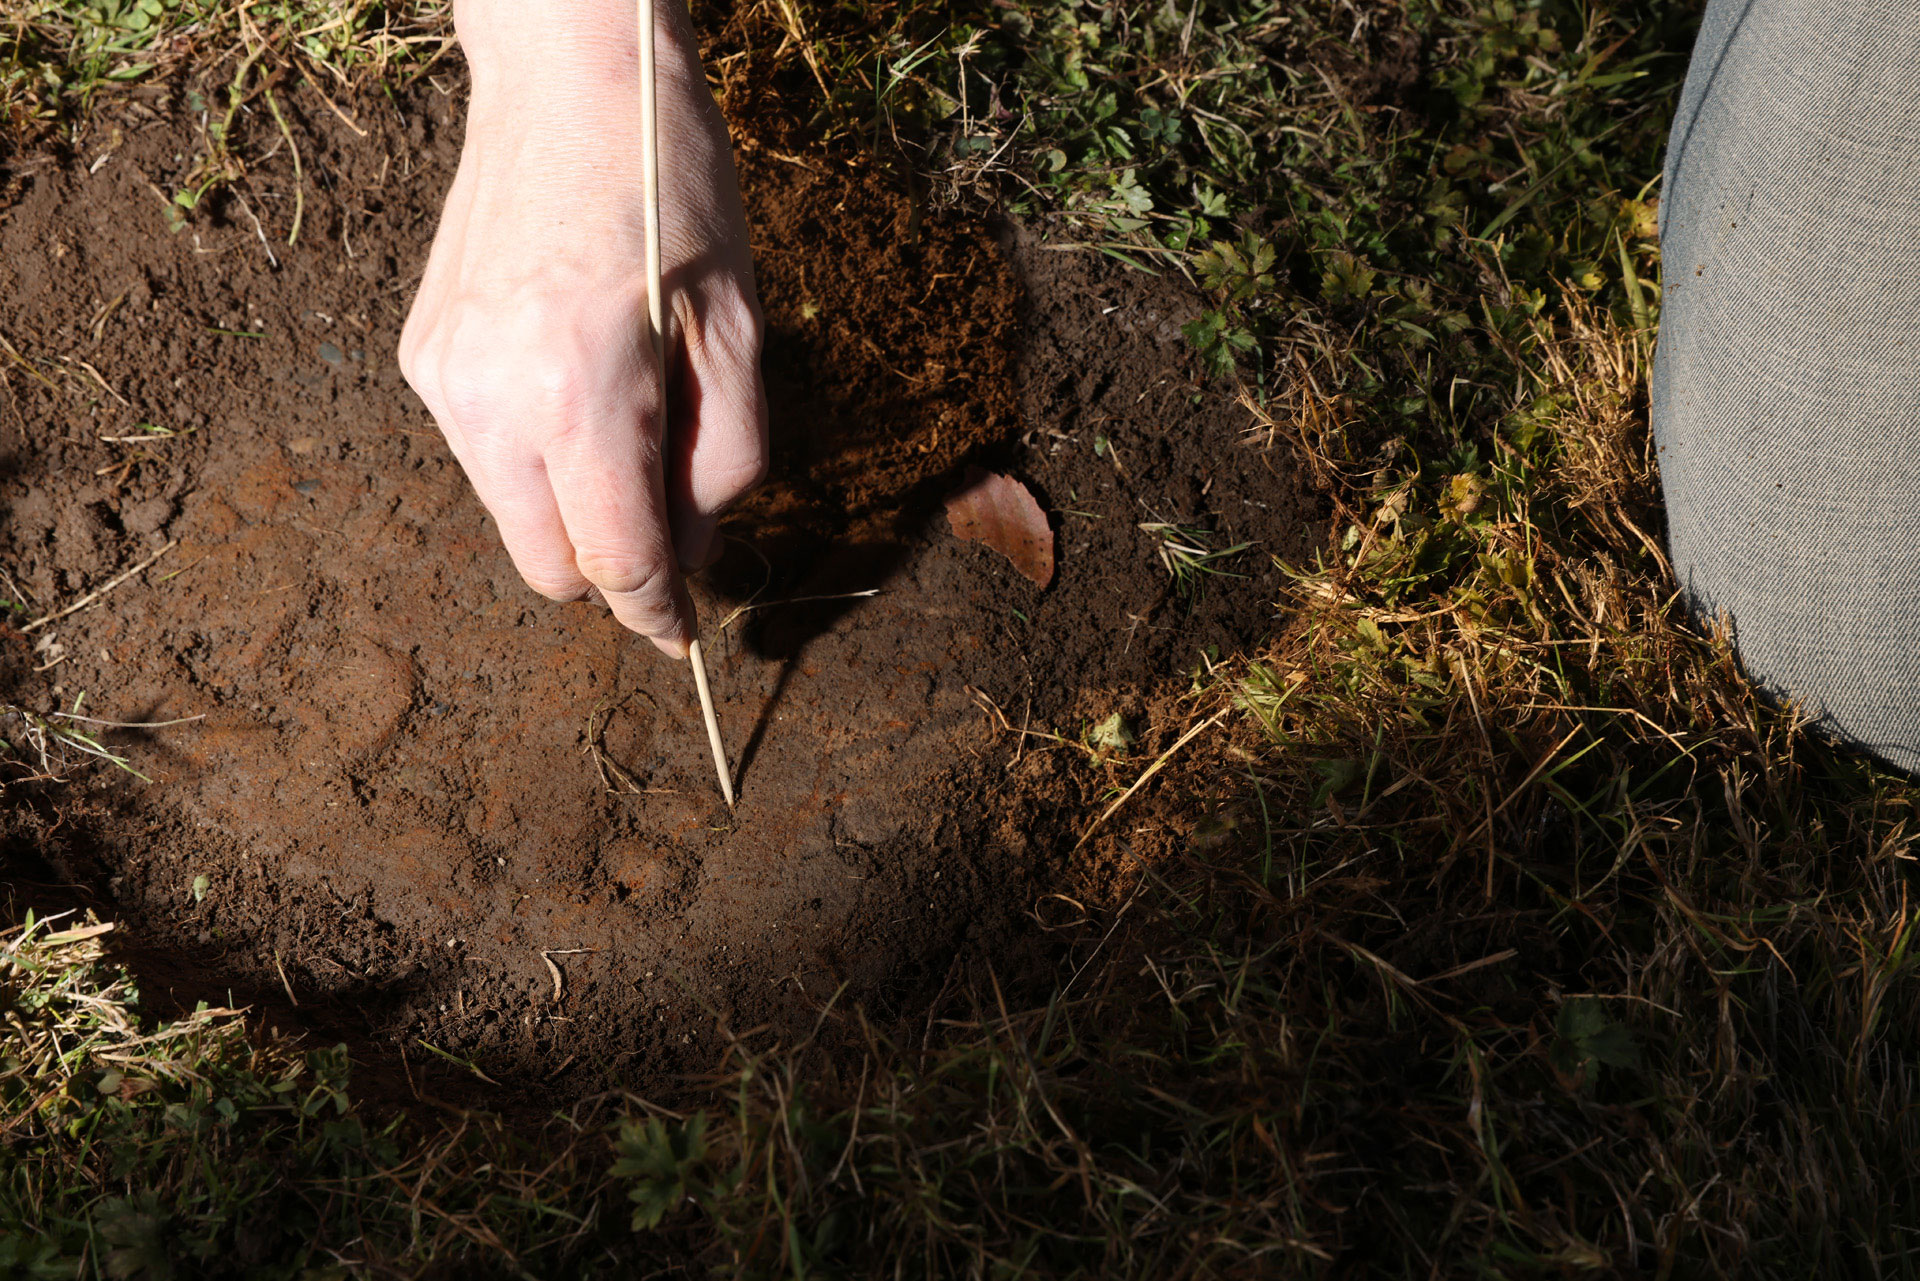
(1187, 553)
(45, 745)
(664, 1163)
(1587, 1038)
(1219, 342)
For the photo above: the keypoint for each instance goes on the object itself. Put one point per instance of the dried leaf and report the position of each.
(1000, 512)
(1112, 734)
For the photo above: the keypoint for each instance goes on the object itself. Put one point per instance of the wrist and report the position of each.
(548, 44)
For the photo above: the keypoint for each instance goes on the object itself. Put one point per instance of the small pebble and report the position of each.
(331, 354)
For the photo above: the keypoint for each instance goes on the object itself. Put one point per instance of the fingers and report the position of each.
(551, 408)
(563, 458)
(520, 499)
(472, 401)
(605, 477)
(718, 443)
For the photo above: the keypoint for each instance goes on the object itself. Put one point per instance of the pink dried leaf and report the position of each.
(1000, 512)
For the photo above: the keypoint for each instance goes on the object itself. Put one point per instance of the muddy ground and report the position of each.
(428, 805)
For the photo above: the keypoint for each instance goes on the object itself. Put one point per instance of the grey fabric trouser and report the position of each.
(1786, 389)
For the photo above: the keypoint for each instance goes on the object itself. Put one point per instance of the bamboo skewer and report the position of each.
(713, 723)
(656, 325)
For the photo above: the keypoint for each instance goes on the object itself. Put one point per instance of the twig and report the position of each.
(1486, 741)
(314, 85)
(1151, 770)
(992, 708)
(19, 594)
(1527, 782)
(32, 372)
(1471, 966)
(258, 230)
(454, 1059)
(39, 730)
(602, 763)
(282, 971)
(299, 173)
(89, 720)
(99, 378)
(795, 600)
(1119, 916)
(547, 955)
(97, 593)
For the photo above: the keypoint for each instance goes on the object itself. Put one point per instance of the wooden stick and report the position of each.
(656, 324)
(713, 722)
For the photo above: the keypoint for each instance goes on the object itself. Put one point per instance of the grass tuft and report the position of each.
(202, 1146)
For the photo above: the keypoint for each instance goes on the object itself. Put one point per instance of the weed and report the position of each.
(193, 1146)
(1186, 552)
(58, 56)
(44, 748)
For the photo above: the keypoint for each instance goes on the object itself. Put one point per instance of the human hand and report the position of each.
(528, 339)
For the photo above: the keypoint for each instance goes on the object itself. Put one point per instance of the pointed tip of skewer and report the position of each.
(699, 664)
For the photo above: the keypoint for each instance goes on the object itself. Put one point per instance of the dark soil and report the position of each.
(431, 806)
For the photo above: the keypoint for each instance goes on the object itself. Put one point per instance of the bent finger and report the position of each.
(522, 504)
(607, 485)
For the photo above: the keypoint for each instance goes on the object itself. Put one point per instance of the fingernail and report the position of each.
(677, 650)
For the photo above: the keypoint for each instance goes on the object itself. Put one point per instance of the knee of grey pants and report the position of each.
(1786, 387)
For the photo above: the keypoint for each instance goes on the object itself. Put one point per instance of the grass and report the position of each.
(1186, 552)
(58, 56)
(1522, 938)
(43, 748)
(200, 1146)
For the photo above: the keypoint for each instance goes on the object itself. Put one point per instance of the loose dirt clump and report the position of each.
(430, 806)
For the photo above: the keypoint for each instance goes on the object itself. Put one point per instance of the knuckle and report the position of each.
(646, 580)
(554, 376)
(417, 365)
(409, 356)
(731, 326)
(486, 369)
(467, 384)
(557, 587)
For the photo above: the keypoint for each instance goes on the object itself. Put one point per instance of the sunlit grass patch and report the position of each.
(56, 56)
